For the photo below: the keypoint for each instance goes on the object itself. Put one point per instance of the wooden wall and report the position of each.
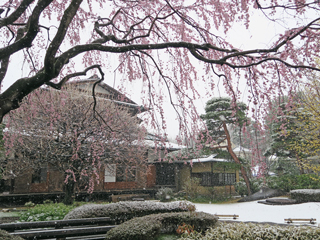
(55, 182)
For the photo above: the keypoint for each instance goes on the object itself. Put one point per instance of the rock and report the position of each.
(262, 194)
(278, 201)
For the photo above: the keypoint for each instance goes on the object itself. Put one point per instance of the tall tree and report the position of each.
(219, 113)
(251, 136)
(169, 41)
(63, 130)
(286, 121)
(307, 127)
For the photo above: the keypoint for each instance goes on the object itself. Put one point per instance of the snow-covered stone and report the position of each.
(262, 194)
(305, 195)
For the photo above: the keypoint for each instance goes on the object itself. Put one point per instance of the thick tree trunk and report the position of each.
(69, 192)
(236, 159)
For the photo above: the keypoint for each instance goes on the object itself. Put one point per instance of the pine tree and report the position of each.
(219, 113)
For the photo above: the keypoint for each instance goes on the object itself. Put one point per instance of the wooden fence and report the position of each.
(61, 229)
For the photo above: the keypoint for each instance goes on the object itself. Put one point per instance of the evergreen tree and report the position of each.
(285, 129)
(219, 113)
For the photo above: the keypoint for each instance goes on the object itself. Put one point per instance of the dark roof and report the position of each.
(113, 94)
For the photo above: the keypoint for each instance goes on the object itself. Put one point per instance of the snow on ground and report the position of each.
(258, 212)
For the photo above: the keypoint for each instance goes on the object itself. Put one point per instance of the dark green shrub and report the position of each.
(126, 210)
(46, 212)
(250, 231)
(308, 181)
(148, 227)
(285, 166)
(6, 236)
(285, 182)
(290, 182)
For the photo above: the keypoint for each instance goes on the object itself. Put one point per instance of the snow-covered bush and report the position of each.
(250, 231)
(148, 227)
(305, 195)
(255, 183)
(6, 236)
(241, 188)
(126, 210)
(164, 194)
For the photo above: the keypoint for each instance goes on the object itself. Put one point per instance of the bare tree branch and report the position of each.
(16, 14)
(68, 77)
(31, 32)
(60, 35)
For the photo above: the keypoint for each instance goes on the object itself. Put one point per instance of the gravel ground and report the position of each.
(257, 212)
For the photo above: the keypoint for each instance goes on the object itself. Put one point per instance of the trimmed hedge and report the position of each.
(148, 227)
(123, 211)
(6, 236)
(250, 231)
(305, 195)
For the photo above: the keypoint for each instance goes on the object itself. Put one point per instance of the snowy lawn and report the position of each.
(254, 211)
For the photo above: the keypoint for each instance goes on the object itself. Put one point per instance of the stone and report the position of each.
(278, 201)
(305, 195)
(262, 194)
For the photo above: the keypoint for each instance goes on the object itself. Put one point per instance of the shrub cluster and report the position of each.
(255, 184)
(46, 212)
(6, 236)
(284, 183)
(290, 182)
(305, 195)
(250, 231)
(123, 211)
(148, 227)
(192, 187)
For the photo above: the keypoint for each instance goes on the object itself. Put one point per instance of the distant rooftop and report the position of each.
(241, 149)
(111, 93)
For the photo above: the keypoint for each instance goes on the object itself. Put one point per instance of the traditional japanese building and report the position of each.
(115, 178)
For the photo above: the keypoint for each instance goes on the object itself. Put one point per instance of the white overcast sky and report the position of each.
(261, 33)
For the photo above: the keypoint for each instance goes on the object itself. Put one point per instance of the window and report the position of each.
(165, 174)
(206, 179)
(125, 174)
(215, 179)
(229, 178)
(39, 175)
(110, 173)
